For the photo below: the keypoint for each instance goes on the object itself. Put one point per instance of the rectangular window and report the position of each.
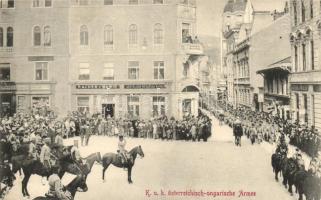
(48, 3)
(83, 104)
(305, 106)
(108, 2)
(133, 70)
(133, 105)
(133, 2)
(159, 70)
(297, 101)
(186, 37)
(36, 3)
(158, 1)
(84, 71)
(41, 71)
(158, 106)
(10, 3)
(108, 71)
(4, 72)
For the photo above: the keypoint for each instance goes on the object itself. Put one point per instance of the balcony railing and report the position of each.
(6, 49)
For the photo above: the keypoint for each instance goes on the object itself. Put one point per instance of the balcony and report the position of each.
(193, 48)
(6, 49)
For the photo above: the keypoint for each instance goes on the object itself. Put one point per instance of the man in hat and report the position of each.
(88, 132)
(237, 132)
(282, 147)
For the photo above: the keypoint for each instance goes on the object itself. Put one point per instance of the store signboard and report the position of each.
(5, 85)
(117, 86)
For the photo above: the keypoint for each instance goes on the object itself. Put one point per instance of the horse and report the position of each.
(78, 182)
(276, 162)
(6, 177)
(115, 159)
(73, 168)
(289, 168)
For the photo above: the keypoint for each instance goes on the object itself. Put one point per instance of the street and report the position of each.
(179, 166)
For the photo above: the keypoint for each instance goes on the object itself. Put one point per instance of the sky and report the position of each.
(209, 13)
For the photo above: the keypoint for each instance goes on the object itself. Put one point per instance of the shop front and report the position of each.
(7, 98)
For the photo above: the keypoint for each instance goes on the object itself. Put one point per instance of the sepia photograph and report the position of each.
(160, 99)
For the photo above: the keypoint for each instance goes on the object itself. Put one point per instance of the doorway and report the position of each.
(108, 110)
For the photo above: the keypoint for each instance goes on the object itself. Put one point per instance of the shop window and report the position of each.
(158, 106)
(158, 70)
(133, 70)
(41, 71)
(5, 72)
(108, 71)
(83, 104)
(84, 71)
(133, 105)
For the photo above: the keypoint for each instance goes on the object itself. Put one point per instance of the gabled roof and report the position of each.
(235, 5)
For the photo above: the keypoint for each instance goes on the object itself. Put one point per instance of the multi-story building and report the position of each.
(33, 55)
(276, 87)
(305, 79)
(104, 56)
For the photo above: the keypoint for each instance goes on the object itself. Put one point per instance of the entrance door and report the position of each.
(108, 109)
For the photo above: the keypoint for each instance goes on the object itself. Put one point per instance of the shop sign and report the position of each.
(145, 86)
(296, 87)
(100, 87)
(7, 85)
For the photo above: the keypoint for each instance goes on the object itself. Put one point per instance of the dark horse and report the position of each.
(85, 169)
(78, 182)
(307, 184)
(277, 162)
(115, 159)
(289, 168)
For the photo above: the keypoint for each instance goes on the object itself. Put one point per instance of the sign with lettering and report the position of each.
(100, 87)
(297, 87)
(145, 86)
(7, 85)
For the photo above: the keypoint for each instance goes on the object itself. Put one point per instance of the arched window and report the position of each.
(158, 34)
(36, 36)
(9, 37)
(133, 34)
(108, 35)
(84, 35)
(1, 37)
(47, 36)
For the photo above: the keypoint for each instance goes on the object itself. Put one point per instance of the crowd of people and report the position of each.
(260, 126)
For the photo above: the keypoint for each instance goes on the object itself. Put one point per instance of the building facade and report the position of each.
(305, 79)
(104, 56)
(276, 88)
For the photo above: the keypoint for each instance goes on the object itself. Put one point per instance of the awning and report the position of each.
(282, 65)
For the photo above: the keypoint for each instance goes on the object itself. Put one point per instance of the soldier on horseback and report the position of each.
(45, 155)
(33, 155)
(121, 149)
(282, 147)
(75, 154)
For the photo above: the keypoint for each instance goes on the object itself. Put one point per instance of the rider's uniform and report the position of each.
(56, 188)
(121, 148)
(45, 156)
(33, 151)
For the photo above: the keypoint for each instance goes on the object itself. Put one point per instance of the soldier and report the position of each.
(56, 187)
(88, 132)
(33, 149)
(121, 149)
(45, 155)
(282, 147)
(237, 132)
(75, 154)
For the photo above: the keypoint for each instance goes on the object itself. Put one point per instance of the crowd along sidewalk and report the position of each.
(225, 133)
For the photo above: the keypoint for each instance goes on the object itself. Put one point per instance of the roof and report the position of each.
(235, 5)
(282, 65)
